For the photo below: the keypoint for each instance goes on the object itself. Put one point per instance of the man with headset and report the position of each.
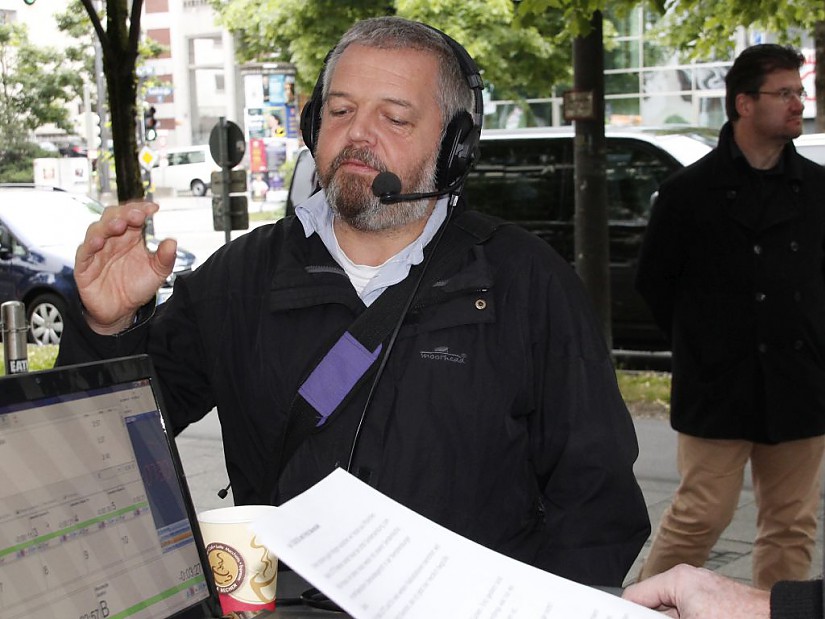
(482, 396)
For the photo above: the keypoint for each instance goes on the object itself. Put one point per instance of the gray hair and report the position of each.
(454, 93)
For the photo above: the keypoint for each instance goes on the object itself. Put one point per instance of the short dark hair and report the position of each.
(393, 32)
(752, 66)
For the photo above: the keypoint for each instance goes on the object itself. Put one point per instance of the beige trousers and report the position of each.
(786, 482)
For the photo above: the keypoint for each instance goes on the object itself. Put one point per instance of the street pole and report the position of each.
(102, 166)
(87, 122)
(223, 147)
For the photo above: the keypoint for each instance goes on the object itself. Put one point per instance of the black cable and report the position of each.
(391, 343)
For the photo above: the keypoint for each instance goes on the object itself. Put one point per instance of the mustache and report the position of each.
(363, 155)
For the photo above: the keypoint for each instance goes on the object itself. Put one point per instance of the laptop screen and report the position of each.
(94, 518)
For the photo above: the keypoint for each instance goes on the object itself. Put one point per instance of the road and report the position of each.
(189, 220)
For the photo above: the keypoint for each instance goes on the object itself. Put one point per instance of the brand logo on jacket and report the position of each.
(442, 353)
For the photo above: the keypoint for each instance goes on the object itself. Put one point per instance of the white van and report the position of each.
(187, 168)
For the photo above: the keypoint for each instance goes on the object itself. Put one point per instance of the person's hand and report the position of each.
(114, 272)
(696, 593)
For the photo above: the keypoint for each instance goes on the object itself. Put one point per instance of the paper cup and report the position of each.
(245, 573)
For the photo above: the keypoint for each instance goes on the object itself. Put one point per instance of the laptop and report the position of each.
(96, 519)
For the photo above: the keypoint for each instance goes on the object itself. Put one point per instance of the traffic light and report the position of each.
(92, 131)
(150, 124)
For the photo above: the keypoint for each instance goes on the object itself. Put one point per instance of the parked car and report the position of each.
(40, 229)
(73, 149)
(188, 168)
(812, 146)
(527, 176)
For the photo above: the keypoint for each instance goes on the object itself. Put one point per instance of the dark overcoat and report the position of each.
(732, 268)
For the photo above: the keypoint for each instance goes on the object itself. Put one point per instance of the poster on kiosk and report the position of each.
(271, 118)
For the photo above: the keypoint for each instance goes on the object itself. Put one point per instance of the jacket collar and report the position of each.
(730, 173)
(306, 274)
(727, 171)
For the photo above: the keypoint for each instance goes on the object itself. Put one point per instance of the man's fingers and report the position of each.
(165, 256)
(655, 592)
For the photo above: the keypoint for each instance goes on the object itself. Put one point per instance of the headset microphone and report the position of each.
(387, 187)
(224, 491)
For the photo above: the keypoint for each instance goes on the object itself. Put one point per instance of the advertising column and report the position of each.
(271, 118)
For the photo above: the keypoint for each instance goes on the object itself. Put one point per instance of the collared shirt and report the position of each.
(316, 216)
(765, 184)
(737, 155)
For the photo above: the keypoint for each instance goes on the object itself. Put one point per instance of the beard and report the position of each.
(350, 195)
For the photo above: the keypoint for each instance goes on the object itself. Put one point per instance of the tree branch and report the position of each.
(95, 19)
(134, 25)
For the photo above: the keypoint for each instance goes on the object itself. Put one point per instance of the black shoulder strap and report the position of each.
(352, 359)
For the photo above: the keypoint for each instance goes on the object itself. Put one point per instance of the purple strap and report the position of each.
(336, 375)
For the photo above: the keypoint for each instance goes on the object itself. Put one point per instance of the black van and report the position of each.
(526, 176)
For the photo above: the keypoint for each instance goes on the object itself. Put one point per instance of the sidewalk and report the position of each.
(658, 478)
(201, 451)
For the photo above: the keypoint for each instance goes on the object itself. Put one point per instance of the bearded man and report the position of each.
(490, 406)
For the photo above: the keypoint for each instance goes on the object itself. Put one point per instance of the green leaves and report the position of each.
(517, 57)
(35, 85)
(705, 29)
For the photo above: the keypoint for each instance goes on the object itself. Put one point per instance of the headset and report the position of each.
(459, 146)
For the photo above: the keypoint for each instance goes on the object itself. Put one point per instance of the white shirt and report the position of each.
(317, 217)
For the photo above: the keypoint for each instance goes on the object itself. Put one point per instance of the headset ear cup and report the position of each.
(458, 150)
(310, 121)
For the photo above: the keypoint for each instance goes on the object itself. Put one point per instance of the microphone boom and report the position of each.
(386, 186)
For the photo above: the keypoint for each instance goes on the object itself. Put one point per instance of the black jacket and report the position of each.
(732, 268)
(797, 600)
(498, 414)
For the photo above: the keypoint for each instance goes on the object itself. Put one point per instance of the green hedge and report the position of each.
(40, 358)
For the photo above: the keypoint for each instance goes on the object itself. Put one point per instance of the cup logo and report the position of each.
(227, 565)
(263, 582)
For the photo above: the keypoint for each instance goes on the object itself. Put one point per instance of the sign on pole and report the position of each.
(229, 211)
(147, 158)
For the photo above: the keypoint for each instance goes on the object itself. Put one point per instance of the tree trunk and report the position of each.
(119, 48)
(122, 87)
(591, 229)
(119, 62)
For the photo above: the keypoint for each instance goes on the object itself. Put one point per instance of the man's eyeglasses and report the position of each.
(786, 94)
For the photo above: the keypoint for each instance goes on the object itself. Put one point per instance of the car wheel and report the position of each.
(45, 315)
(198, 187)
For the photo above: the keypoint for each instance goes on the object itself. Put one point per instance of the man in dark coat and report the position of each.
(732, 269)
(497, 413)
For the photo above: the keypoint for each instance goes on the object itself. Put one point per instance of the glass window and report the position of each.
(622, 54)
(621, 83)
(634, 172)
(622, 111)
(523, 180)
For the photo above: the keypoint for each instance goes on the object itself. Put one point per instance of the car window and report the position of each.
(185, 157)
(523, 180)
(533, 179)
(634, 170)
(49, 218)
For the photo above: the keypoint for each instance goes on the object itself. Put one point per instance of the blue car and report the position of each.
(40, 229)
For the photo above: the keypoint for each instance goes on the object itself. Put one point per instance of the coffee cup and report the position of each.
(244, 571)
